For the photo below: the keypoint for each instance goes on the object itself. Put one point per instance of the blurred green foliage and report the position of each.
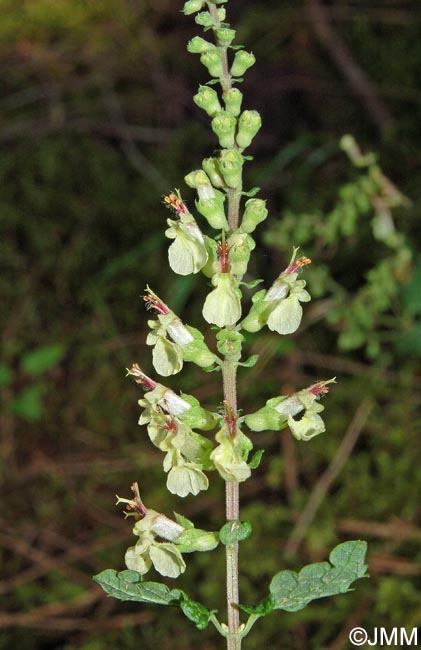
(96, 123)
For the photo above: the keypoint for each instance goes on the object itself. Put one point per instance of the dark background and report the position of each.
(97, 122)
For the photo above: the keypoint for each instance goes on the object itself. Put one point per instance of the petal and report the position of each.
(286, 317)
(167, 559)
(167, 357)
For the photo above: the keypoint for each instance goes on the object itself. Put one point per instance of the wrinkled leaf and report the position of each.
(195, 612)
(292, 591)
(127, 585)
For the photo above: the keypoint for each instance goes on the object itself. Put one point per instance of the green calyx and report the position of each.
(233, 99)
(255, 212)
(230, 163)
(207, 99)
(242, 62)
(223, 125)
(206, 20)
(212, 60)
(248, 125)
(225, 36)
(198, 45)
(210, 166)
(192, 6)
(229, 344)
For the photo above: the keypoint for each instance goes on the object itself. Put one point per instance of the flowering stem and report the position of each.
(229, 375)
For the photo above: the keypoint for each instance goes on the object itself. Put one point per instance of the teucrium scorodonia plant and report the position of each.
(222, 448)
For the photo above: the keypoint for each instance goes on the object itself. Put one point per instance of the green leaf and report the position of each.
(28, 404)
(265, 607)
(235, 531)
(293, 591)
(128, 585)
(5, 376)
(183, 521)
(195, 612)
(256, 458)
(252, 284)
(252, 192)
(41, 359)
(250, 362)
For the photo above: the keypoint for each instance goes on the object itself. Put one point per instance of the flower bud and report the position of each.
(207, 99)
(230, 163)
(212, 60)
(207, 20)
(192, 6)
(197, 178)
(255, 212)
(242, 61)
(213, 210)
(198, 45)
(210, 166)
(248, 125)
(225, 36)
(223, 125)
(222, 305)
(233, 99)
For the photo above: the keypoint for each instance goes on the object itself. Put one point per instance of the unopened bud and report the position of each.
(230, 163)
(242, 61)
(223, 125)
(198, 45)
(196, 178)
(213, 210)
(233, 99)
(207, 20)
(255, 212)
(207, 99)
(212, 60)
(248, 125)
(192, 6)
(225, 36)
(210, 166)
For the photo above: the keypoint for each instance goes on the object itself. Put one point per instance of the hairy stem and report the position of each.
(229, 375)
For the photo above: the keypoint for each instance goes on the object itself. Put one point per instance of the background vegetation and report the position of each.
(96, 123)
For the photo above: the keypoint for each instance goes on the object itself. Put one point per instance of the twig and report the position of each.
(323, 485)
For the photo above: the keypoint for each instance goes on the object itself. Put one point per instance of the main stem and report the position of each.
(229, 375)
